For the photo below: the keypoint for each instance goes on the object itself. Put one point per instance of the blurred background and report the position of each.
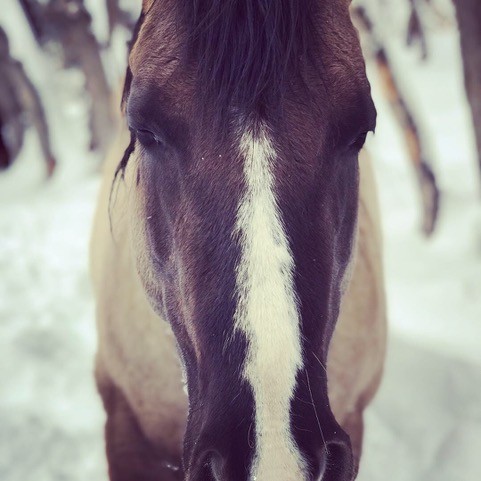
(61, 66)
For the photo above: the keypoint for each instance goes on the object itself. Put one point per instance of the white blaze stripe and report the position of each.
(267, 313)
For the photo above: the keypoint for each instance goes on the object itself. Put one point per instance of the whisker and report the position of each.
(303, 401)
(319, 361)
(315, 412)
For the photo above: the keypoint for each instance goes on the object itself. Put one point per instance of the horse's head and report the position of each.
(247, 117)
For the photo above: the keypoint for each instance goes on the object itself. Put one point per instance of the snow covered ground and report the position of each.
(426, 421)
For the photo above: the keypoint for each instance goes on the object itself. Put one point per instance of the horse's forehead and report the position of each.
(163, 37)
(159, 40)
(147, 4)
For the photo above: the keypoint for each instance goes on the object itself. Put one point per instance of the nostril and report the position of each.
(216, 466)
(209, 467)
(204, 474)
(205, 467)
(319, 466)
(335, 462)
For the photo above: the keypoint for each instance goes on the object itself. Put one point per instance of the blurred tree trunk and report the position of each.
(469, 20)
(415, 142)
(4, 154)
(415, 32)
(118, 16)
(33, 13)
(68, 23)
(20, 107)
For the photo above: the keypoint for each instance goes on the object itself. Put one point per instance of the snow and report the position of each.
(50, 417)
(425, 423)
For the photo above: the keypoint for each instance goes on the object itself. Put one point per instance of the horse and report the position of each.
(236, 251)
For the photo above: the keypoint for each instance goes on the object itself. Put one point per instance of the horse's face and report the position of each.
(244, 233)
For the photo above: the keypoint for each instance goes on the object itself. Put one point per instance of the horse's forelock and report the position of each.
(245, 49)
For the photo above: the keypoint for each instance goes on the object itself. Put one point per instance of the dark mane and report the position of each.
(245, 49)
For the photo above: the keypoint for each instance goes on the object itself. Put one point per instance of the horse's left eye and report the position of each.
(359, 141)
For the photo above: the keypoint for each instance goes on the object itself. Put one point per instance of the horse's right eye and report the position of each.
(147, 138)
(359, 141)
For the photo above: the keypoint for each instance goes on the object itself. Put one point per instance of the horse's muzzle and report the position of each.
(333, 463)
